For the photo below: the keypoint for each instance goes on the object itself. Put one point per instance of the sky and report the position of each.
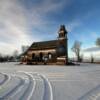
(23, 22)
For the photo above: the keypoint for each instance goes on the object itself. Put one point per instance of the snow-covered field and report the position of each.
(22, 82)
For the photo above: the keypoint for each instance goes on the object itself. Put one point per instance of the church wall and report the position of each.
(37, 52)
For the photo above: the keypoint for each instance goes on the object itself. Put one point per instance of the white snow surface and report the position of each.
(49, 82)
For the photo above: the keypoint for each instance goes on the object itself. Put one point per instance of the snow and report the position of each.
(49, 82)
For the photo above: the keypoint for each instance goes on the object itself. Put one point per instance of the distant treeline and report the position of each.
(8, 59)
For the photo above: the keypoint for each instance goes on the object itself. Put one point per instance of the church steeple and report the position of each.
(63, 41)
(62, 32)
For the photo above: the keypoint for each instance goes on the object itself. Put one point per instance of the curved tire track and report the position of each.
(4, 79)
(48, 94)
(28, 92)
(22, 91)
(8, 88)
(47, 89)
(24, 88)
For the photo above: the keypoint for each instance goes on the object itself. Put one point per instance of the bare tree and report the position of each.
(15, 53)
(76, 49)
(98, 41)
(24, 48)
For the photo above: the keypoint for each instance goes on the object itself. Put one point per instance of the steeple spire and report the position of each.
(62, 31)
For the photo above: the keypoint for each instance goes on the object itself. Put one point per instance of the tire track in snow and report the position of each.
(29, 89)
(23, 89)
(4, 79)
(39, 88)
(93, 94)
(9, 88)
(14, 95)
(48, 94)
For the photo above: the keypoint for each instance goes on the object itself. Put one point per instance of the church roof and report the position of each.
(44, 45)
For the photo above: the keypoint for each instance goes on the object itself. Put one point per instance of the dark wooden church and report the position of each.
(48, 52)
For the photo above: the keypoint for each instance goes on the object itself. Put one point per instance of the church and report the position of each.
(48, 52)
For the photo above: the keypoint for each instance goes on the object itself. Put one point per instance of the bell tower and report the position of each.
(63, 41)
(62, 32)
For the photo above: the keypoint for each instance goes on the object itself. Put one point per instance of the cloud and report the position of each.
(73, 24)
(50, 6)
(92, 49)
(13, 30)
(16, 22)
(38, 14)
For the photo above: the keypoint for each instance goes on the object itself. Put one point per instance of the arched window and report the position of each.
(49, 55)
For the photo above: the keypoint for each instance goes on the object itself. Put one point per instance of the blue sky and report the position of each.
(25, 21)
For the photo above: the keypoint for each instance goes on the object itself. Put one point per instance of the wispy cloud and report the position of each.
(92, 49)
(16, 22)
(24, 21)
(73, 24)
(13, 30)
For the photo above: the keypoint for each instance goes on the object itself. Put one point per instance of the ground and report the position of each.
(24, 82)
